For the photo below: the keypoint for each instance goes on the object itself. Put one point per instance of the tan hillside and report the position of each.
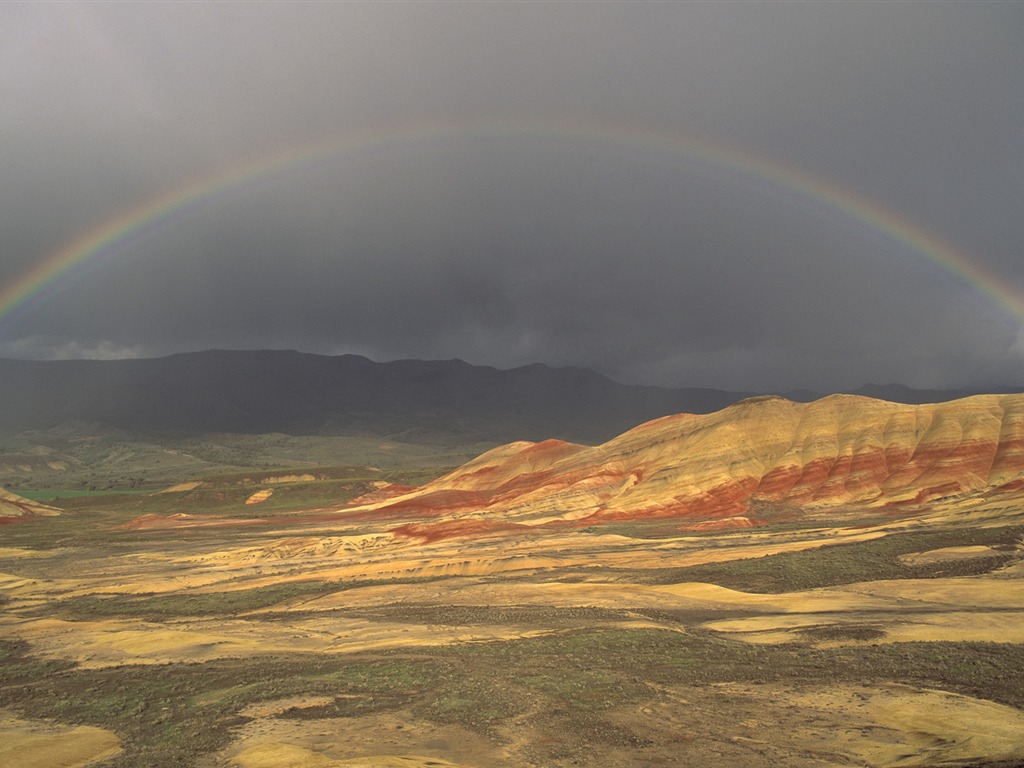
(861, 603)
(759, 456)
(12, 505)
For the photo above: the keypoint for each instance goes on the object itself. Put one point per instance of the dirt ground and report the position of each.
(326, 642)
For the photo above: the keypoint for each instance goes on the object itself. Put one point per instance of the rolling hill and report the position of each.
(757, 459)
(12, 505)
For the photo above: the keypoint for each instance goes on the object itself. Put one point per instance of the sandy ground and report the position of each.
(391, 739)
(947, 554)
(897, 725)
(886, 726)
(97, 644)
(769, 725)
(473, 573)
(288, 756)
(974, 609)
(39, 744)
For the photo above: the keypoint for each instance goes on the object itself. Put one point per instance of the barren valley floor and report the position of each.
(183, 629)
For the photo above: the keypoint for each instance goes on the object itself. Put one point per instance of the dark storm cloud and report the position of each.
(509, 250)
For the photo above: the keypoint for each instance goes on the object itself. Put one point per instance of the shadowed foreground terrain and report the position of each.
(838, 583)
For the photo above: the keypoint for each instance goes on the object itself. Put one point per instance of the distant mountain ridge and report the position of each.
(298, 393)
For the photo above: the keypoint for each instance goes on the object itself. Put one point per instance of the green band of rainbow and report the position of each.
(112, 231)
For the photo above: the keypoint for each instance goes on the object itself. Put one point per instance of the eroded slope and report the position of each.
(12, 505)
(764, 453)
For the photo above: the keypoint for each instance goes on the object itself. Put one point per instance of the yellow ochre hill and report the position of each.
(12, 505)
(762, 456)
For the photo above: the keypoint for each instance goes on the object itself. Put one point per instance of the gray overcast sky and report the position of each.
(502, 248)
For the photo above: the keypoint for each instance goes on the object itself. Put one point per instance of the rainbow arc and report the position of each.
(137, 220)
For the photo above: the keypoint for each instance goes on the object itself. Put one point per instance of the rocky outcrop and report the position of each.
(761, 453)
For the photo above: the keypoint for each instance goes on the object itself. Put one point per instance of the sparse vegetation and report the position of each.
(101, 459)
(187, 604)
(170, 715)
(848, 563)
(467, 615)
(567, 687)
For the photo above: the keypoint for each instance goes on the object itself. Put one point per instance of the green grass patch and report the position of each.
(469, 615)
(227, 493)
(837, 564)
(42, 533)
(175, 714)
(263, 476)
(227, 603)
(47, 496)
(18, 667)
(831, 632)
(633, 657)
(172, 715)
(581, 689)
(155, 606)
(476, 702)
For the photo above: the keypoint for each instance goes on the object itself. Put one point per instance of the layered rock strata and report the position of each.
(12, 505)
(762, 453)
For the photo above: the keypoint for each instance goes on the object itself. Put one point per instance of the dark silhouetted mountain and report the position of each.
(297, 393)
(303, 394)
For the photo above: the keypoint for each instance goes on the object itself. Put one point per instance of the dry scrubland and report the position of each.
(514, 614)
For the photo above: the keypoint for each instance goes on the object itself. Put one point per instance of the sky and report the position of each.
(751, 196)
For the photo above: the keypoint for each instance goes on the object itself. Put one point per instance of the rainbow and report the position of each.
(136, 221)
